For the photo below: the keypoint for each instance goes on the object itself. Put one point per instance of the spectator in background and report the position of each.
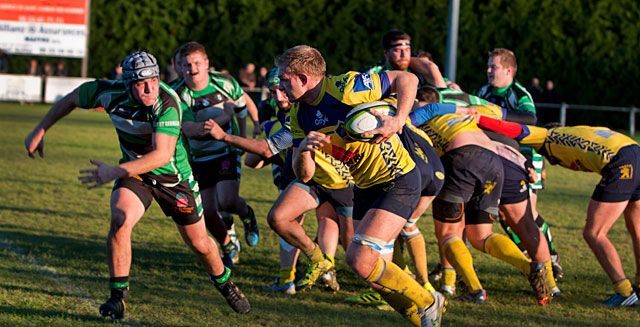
(261, 81)
(247, 76)
(535, 90)
(32, 68)
(45, 70)
(550, 95)
(116, 73)
(60, 70)
(4, 62)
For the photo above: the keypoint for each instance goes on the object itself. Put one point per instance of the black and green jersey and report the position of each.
(513, 97)
(136, 124)
(208, 104)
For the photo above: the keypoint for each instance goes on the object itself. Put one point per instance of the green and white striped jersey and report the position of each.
(209, 104)
(513, 97)
(135, 124)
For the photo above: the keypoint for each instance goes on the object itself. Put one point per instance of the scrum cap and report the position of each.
(138, 66)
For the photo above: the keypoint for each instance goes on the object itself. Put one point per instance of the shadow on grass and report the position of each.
(64, 214)
(29, 314)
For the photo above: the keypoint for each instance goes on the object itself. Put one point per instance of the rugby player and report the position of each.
(147, 115)
(216, 166)
(507, 93)
(471, 192)
(330, 195)
(514, 204)
(387, 185)
(614, 156)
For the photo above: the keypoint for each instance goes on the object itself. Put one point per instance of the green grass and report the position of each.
(53, 269)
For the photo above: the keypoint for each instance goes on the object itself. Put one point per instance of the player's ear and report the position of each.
(303, 79)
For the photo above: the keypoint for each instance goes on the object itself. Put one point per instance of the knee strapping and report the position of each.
(374, 243)
(406, 234)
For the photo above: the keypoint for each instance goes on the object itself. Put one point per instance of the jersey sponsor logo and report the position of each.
(363, 82)
(167, 124)
(605, 133)
(341, 84)
(321, 118)
(626, 171)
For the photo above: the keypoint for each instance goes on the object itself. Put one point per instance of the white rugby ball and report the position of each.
(360, 119)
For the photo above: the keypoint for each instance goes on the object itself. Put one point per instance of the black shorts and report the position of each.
(225, 168)
(341, 199)
(620, 177)
(181, 202)
(473, 175)
(515, 187)
(399, 196)
(426, 159)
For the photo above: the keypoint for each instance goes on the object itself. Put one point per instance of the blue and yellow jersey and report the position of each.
(584, 148)
(368, 164)
(442, 129)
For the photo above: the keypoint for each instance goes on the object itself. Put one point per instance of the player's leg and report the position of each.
(414, 240)
(126, 210)
(228, 189)
(216, 226)
(328, 237)
(632, 221)
(287, 271)
(600, 218)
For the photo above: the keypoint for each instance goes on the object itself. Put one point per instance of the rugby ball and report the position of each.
(360, 119)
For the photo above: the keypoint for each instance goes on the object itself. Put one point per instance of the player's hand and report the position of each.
(35, 141)
(100, 175)
(214, 129)
(390, 126)
(533, 176)
(314, 141)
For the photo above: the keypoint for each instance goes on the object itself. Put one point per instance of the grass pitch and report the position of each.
(53, 268)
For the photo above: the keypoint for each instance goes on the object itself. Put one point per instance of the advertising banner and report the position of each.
(56, 28)
(22, 88)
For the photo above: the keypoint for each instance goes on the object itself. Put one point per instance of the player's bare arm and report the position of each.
(405, 85)
(303, 164)
(163, 148)
(35, 140)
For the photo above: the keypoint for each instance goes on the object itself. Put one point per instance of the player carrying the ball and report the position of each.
(387, 183)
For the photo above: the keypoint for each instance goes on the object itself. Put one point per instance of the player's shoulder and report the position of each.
(519, 90)
(483, 90)
(375, 68)
(168, 96)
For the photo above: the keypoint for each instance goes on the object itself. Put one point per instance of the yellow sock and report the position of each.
(623, 287)
(286, 274)
(398, 257)
(391, 277)
(418, 252)
(503, 248)
(316, 254)
(330, 258)
(552, 281)
(460, 258)
(449, 276)
(402, 305)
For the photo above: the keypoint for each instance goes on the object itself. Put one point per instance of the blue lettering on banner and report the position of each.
(363, 82)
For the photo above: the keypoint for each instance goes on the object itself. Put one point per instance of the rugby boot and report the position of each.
(115, 306)
(235, 298)
(431, 316)
(330, 281)
(314, 271)
(286, 288)
(230, 255)
(539, 280)
(251, 232)
(477, 297)
(618, 300)
(369, 298)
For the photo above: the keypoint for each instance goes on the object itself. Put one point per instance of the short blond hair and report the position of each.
(507, 58)
(302, 59)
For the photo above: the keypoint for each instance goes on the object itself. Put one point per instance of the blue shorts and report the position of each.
(399, 196)
(515, 188)
(426, 159)
(620, 177)
(341, 199)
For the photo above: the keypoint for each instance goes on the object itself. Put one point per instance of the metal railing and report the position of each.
(565, 106)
